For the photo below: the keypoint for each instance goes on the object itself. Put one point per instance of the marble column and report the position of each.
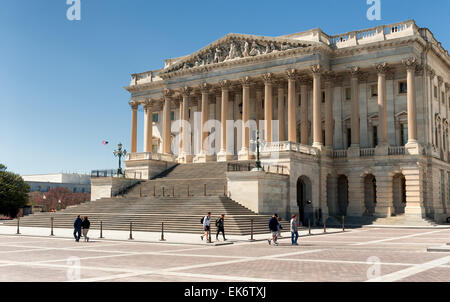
(244, 153)
(204, 156)
(134, 108)
(148, 127)
(355, 107)
(329, 120)
(292, 106)
(317, 102)
(268, 110)
(281, 115)
(166, 129)
(304, 126)
(383, 142)
(224, 154)
(259, 111)
(412, 146)
(185, 130)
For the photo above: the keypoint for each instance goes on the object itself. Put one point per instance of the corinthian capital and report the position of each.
(225, 84)
(245, 82)
(205, 87)
(268, 78)
(186, 91)
(134, 105)
(167, 93)
(355, 71)
(410, 63)
(382, 68)
(317, 69)
(291, 74)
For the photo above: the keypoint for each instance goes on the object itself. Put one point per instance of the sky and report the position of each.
(62, 82)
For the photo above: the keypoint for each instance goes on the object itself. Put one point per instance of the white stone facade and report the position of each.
(362, 116)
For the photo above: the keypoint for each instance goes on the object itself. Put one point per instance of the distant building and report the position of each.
(77, 183)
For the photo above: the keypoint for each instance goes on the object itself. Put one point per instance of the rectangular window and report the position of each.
(189, 113)
(323, 96)
(172, 115)
(155, 148)
(348, 94)
(435, 92)
(402, 87)
(349, 137)
(375, 136)
(443, 98)
(374, 90)
(155, 117)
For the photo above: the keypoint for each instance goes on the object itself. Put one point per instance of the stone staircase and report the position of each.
(404, 220)
(164, 199)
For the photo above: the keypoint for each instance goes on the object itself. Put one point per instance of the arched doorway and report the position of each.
(304, 200)
(342, 195)
(370, 194)
(399, 192)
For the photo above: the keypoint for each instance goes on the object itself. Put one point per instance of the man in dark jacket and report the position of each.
(273, 227)
(220, 224)
(77, 228)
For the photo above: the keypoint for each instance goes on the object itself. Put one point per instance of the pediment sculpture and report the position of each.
(232, 50)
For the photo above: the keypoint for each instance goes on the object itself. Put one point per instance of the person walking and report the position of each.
(85, 224)
(77, 228)
(294, 230)
(206, 221)
(220, 227)
(273, 227)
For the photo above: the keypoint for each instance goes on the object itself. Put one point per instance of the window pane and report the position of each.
(155, 117)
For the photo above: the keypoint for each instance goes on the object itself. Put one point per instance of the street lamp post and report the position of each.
(43, 203)
(120, 153)
(258, 160)
(59, 205)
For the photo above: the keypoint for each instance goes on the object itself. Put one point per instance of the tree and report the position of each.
(13, 192)
(67, 197)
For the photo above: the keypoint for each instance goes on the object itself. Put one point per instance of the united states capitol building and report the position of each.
(356, 123)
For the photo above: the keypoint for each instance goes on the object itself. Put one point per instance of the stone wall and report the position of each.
(109, 186)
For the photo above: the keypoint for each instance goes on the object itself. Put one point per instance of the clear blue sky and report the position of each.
(61, 81)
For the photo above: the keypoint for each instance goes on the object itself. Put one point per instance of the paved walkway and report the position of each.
(356, 255)
(148, 236)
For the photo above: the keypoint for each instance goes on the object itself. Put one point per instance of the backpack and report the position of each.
(201, 220)
(217, 222)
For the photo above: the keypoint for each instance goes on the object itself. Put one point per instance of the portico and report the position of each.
(324, 104)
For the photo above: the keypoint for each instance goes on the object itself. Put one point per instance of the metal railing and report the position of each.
(242, 167)
(396, 150)
(113, 173)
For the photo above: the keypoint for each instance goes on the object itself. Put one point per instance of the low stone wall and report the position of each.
(146, 169)
(105, 187)
(261, 192)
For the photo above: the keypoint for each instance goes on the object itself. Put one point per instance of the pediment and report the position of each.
(234, 47)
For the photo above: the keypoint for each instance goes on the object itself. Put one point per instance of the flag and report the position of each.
(105, 142)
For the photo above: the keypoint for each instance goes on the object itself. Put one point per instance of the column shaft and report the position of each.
(317, 118)
(268, 90)
(292, 110)
(355, 111)
(329, 121)
(148, 129)
(281, 115)
(134, 128)
(412, 115)
(166, 126)
(304, 131)
(245, 116)
(205, 112)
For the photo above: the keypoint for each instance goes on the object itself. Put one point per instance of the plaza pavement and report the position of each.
(369, 254)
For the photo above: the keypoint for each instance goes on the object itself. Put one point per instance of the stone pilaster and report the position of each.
(385, 202)
(281, 113)
(204, 155)
(355, 194)
(329, 121)
(304, 131)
